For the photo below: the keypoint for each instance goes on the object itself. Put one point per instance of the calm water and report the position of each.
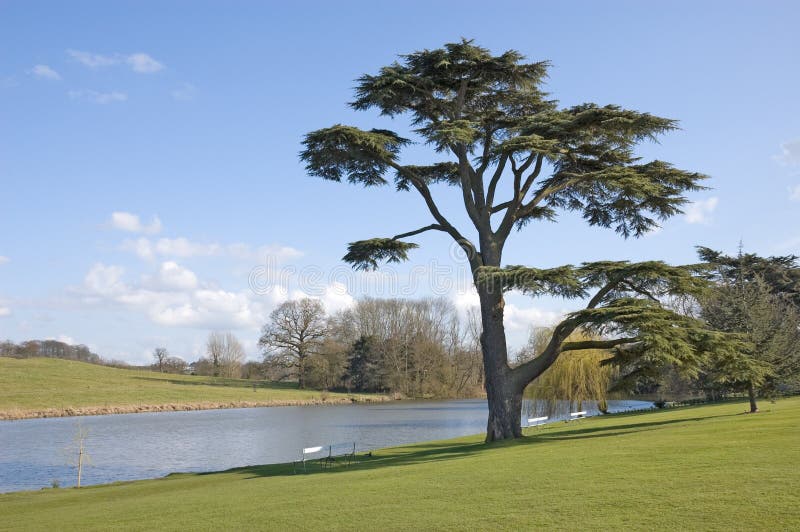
(35, 452)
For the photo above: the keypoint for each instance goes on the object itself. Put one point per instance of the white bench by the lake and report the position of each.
(326, 455)
(309, 454)
(535, 421)
(577, 415)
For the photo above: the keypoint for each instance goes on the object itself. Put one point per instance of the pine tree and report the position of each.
(756, 297)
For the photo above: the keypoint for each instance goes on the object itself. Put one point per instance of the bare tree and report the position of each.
(77, 451)
(225, 353)
(161, 355)
(294, 334)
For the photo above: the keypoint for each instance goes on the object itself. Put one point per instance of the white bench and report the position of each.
(309, 454)
(577, 415)
(533, 421)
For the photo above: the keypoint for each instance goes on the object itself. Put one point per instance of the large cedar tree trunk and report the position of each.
(503, 392)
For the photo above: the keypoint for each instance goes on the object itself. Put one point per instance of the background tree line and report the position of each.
(54, 349)
(413, 348)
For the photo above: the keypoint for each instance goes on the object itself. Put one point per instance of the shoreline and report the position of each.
(20, 414)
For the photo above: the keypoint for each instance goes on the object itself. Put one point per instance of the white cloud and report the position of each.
(334, 298)
(184, 93)
(170, 247)
(93, 60)
(518, 318)
(794, 193)
(172, 275)
(466, 299)
(105, 280)
(5, 311)
(45, 72)
(790, 152)
(4, 260)
(143, 63)
(700, 212)
(139, 62)
(101, 98)
(515, 317)
(126, 221)
(174, 297)
(182, 247)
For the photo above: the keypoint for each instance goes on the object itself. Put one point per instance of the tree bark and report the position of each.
(503, 392)
(751, 393)
(301, 372)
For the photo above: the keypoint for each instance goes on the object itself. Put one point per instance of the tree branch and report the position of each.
(531, 369)
(641, 291)
(520, 191)
(465, 172)
(468, 247)
(603, 292)
(501, 164)
(596, 344)
(532, 177)
(432, 227)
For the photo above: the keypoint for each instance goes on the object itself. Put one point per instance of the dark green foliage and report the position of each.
(365, 254)
(363, 365)
(763, 312)
(781, 274)
(343, 151)
(612, 279)
(562, 281)
(654, 338)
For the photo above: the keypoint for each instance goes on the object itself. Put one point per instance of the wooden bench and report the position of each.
(534, 421)
(577, 415)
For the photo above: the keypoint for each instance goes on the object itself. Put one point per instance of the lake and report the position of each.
(36, 452)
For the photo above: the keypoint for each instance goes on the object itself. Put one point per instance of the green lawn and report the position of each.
(38, 384)
(696, 468)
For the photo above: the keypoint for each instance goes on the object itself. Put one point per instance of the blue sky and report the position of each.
(185, 119)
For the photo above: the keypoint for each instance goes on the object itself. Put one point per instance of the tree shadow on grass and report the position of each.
(615, 430)
(444, 451)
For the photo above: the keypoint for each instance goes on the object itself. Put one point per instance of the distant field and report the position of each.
(693, 468)
(44, 386)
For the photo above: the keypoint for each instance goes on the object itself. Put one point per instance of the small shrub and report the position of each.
(55, 483)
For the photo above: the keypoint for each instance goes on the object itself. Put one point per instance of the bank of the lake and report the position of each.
(35, 453)
(707, 467)
(46, 387)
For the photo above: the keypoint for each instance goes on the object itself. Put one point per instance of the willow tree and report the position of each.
(578, 377)
(514, 157)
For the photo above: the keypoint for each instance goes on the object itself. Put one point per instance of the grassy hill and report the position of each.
(45, 386)
(696, 468)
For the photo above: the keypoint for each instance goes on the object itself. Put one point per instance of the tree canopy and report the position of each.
(757, 298)
(515, 157)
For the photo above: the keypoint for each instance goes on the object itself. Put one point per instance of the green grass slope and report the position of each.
(697, 468)
(40, 384)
